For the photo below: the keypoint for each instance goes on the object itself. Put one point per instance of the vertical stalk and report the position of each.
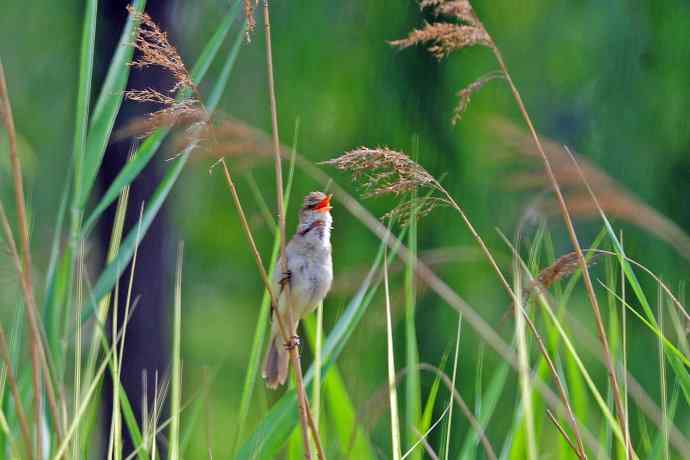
(23, 267)
(305, 416)
(392, 392)
(306, 419)
(601, 331)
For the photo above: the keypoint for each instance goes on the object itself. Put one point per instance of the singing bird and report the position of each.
(303, 285)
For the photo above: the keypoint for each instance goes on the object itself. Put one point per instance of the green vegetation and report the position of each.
(518, 300)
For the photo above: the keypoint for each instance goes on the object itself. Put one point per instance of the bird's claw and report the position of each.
(285, 278)
(293, 342)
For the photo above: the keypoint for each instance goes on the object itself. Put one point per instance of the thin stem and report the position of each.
(23, 267)
(540, 342)
(601, 331)
(305, 415)
(465, 409)
(274, 129)
(562, 431)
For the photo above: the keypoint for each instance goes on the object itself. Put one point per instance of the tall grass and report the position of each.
(555, 403)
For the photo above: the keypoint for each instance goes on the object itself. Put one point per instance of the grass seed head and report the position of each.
(443, 38)
(465, 94)
(382, 171)
(156, 50)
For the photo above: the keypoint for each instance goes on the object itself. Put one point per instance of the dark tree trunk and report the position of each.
(146, 343)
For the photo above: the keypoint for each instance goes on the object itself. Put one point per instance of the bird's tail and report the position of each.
(276, 362)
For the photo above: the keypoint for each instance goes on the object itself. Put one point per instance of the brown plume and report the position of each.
(443, 38)
(613, 197)
(382, 171)
(156, 50)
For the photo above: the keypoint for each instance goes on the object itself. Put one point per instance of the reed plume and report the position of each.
(615, 199)
(155, 50)
(382, 171)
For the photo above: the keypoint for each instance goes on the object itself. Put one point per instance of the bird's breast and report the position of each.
(311, 278)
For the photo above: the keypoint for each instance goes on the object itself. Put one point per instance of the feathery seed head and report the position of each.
(382, 171)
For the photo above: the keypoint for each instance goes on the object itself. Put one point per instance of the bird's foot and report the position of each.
(293, 342)
(284, 279)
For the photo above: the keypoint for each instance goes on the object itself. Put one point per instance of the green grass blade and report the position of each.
(355, 443)
(412, 381)
(52, 302)
(661, 442)
(456, 358)
(489, 403)
(176, 377)
(675, 361)
(392, 386)
(428, 412)
(108, 104)
(668, 345)
(84, 93)
(150, 146)
(214, 96)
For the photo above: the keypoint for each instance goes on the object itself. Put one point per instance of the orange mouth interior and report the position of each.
(324, 205)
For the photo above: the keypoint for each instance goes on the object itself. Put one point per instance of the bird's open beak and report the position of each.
(324, 205)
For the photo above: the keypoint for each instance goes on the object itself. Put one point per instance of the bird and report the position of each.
(301, 283)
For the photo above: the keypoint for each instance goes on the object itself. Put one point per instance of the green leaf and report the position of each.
(176, 371)
(428, 412)
(84, 92)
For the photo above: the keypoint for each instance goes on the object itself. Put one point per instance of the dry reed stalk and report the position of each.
(39, 362)
(463, 406)
(427, 447)
(601, 331)
(294, 353)
(306, 418)
(561, 431)
(391, 172)
(462, 11)
(613, 197)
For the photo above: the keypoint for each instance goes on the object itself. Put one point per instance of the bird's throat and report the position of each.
(312, 226)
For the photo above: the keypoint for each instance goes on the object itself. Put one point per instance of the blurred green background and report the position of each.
(609, 79)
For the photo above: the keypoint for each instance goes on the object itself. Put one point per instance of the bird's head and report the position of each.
(316, 207)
